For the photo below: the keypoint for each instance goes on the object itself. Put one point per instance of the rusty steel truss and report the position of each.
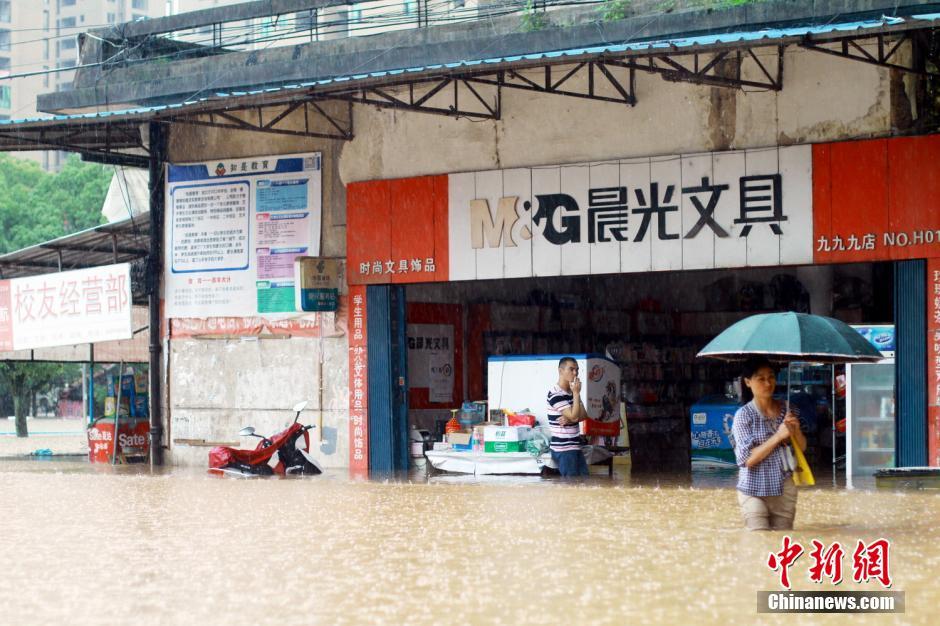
(473, 92)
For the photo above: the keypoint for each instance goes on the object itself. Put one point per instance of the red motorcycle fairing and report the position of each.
(279, 468)
(222, 456)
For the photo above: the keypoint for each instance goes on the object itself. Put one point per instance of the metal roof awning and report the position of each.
(118, 137)
(125, 241)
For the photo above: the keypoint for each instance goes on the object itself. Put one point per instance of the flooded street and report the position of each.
(90, 545)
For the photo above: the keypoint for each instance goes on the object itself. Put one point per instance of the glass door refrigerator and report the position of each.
(870, 407)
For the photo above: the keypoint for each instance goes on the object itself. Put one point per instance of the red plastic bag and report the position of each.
(521, 419)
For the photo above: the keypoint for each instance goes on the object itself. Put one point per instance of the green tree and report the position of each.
(36, 205)
(24, 379)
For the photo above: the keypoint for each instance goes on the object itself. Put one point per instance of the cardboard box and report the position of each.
(128, 386)
(459, 441)
(110, 403)
(506, 433)
(504, 446)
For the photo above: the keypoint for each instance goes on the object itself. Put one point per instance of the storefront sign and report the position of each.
(66, 308)
(316, 283)
(733, 209)
(358, 382)
(234, 228)
(876, 200)
(933, 362)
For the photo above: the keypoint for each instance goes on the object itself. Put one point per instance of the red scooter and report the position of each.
(293, 453)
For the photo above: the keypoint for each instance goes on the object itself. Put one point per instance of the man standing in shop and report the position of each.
(565, 410)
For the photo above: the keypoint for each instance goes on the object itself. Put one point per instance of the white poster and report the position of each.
(440, 376)
(233, 230)
(431, 360)
(67, 308)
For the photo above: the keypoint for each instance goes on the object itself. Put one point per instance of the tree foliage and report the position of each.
(36, 205)
(24, 379)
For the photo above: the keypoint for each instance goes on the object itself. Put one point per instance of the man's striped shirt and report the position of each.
(564, 438)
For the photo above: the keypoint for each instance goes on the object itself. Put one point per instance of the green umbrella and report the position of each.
(791, 337)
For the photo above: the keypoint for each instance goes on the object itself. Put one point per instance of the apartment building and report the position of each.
(39, 43)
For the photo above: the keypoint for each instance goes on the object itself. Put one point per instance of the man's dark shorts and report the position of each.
(571, 463)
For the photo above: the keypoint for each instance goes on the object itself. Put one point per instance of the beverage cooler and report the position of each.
(870, 408)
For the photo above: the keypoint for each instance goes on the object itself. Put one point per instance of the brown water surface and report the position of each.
(87, 545)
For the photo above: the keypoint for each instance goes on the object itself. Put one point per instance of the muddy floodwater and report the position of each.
(84, 545)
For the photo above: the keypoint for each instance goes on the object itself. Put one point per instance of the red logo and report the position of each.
(220, 170)
(784, 559)
(868, 562)
(596, 373)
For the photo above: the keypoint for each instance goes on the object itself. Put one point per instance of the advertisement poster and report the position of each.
(234, 229)
(431, 360)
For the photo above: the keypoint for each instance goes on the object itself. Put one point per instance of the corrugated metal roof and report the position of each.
(117, 242)
(763, 36)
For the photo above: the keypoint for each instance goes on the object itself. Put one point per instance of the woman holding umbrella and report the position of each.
(762, 429)
(764, 426)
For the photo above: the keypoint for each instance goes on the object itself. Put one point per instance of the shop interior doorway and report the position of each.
(651, 324)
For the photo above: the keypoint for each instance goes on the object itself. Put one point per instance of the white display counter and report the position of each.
(483, 463)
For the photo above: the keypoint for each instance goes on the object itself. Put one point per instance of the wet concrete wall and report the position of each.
(824, 99)
(218, 385)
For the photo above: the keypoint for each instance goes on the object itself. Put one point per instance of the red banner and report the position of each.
(6, 317)
(310, 325)
(358, 383)
(933, 362)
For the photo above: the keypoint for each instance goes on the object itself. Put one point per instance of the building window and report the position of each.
(4, 97)
(139, 4)
(67, 63)
(411, 7)
(112, 18)
(4, 64)
(4, 117)
(45, 20)
(67, 3)
(67, 22)
(4, 40)
(305, 20)
(354, 16)
(45, 49)
(5, 15)
(68, 44)
(45, 77)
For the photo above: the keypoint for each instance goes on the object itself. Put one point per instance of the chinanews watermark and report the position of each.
(870, 563)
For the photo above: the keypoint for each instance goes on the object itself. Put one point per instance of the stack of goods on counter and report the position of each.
(468, 432)
(122, 434)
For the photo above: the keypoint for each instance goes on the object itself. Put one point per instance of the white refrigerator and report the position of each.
(521, 383)
(870, 409)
